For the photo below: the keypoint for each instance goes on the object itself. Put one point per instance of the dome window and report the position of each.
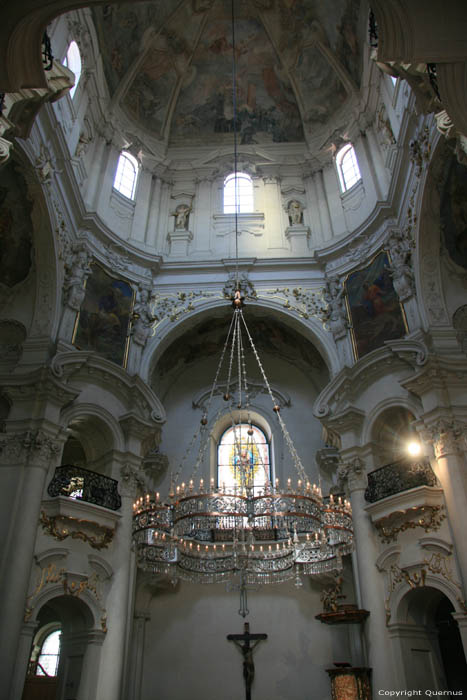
(126, 175)
(347, 167)
(72, 61)
(238, 194)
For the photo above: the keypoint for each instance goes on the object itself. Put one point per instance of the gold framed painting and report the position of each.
(374, 309)
(103, 321)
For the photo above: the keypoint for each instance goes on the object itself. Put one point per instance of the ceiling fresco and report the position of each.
(168, 65)
(206, 339)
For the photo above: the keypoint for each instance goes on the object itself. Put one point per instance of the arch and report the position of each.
(376, 418)
(88, 421)
(238, 193)
(398, 605)
(167, 332)
(257, 449)
(126, 175)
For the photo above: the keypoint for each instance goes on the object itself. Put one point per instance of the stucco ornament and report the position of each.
(335, 316)
(247, 287)
(155, 463)
(143, 318)
(131, 481)
(77, 270)
(353, 474)
(400, 249)
(448, 437)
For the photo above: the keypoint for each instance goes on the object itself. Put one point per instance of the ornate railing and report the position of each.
(83, 485)
(399, 476)
(372, 31)
(47, 55)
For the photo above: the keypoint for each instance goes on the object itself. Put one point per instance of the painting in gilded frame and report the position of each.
(103, 321)
(373, 306)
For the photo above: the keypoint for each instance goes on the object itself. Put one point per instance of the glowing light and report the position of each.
(414, 448)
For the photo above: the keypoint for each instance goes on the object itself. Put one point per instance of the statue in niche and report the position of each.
(400, 269)
(77, 270)
(335, 315)
(295, 212)
(181, 215)
(143, 317)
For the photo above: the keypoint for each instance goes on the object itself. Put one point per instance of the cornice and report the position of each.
(75, 364)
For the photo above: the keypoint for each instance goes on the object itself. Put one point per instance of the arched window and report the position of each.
(126, 175)
(238, 194)
(347, 167)
(49, 655)
(243, 457)
(73, 62)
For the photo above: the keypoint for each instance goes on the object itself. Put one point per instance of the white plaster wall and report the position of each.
(187, 653)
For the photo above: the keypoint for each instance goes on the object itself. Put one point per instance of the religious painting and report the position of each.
(453, 211)
(15, 227)
(243, 458)
(374, 308)
(103, 321)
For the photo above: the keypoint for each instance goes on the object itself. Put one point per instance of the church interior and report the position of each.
(233, 349)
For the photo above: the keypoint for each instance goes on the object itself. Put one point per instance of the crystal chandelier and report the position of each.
(260, 534)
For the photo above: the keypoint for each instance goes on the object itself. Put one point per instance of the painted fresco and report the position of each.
(375, 311)
(322, 93)
(207, 339)
(266, 107)
(15, 227)
(453, 211)
(104, 317)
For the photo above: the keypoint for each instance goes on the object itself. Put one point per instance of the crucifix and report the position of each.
(247, 650)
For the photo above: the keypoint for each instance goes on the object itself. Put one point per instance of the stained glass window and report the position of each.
(243, 459)
(47, 663)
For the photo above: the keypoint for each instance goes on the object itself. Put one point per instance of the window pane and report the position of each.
(73, 62)
(125, 177)
(243, 460)
(47, 663)
(238, 190)
(347, 167)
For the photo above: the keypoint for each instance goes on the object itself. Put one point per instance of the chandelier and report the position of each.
(245, 531)
(264, 533)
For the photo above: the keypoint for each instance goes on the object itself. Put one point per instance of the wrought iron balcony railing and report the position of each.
(84, 485)
(399, 476)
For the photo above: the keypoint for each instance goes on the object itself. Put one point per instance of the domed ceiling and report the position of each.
(168, 65)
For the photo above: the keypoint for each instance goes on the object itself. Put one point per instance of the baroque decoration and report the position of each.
(258, 533)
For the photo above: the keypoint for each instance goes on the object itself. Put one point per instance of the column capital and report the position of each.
(447, 435)
(353, 474)
(131, 480)
(34, 447)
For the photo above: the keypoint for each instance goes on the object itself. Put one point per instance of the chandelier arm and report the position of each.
(293, 451)
(232, 354)
(219, 366)
(203, 446)
(239, 365)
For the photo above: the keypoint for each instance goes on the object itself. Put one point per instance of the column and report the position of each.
(139, 632)
(29, 454)
(143, 198)
(109, 685)
(22, 658)
(447, 437)
(461, 620)
(92, 187)
(370, 582)
(89, 671)
(325, 216)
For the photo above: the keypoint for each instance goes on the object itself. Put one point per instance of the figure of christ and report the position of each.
(247, 649)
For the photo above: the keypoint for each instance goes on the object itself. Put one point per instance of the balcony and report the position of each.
(397, 477)
(84, 485)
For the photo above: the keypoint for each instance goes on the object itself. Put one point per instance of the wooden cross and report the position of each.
(247, 651)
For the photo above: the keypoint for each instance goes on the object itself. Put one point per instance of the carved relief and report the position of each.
(61, 526)
(448, 437)
(400, 247)
(77, 271)
(335, 317)
(427, 517)
(143, 318)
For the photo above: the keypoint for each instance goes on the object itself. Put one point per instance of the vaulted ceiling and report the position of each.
(168, 66)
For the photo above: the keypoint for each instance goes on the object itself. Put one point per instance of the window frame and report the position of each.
(129, 158)
(347, 183)
(44, 635)
(238, 202)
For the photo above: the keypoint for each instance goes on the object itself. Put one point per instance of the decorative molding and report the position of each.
(62, 526)
(176, 304)
(427, 517)
(304, 302)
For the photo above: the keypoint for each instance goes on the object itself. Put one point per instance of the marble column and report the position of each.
(139, 632)
(109, 685)
(449, 443)
(29, 454)
(22, 658)
(370, 582)
(89, 671)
